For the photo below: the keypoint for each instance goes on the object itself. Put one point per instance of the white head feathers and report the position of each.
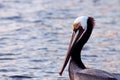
(82, 20)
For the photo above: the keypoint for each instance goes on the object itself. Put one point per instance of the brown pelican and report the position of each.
(82, 29)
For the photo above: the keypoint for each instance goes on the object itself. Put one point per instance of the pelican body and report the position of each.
(82, 29)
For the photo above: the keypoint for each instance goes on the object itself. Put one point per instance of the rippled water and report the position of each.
(34, 36)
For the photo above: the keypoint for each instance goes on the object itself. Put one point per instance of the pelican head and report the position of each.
(82, 26)
(80, 22)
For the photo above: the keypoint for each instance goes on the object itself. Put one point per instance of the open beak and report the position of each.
(76, 36)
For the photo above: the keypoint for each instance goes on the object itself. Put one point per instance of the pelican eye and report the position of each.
(76, 25)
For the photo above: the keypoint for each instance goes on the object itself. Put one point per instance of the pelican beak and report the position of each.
(76, 36)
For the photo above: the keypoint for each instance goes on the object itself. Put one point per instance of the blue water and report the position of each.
(34, 36)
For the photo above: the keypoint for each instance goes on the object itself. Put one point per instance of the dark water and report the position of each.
(34, 36)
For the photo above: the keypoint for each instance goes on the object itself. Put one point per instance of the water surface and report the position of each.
(34, 36)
